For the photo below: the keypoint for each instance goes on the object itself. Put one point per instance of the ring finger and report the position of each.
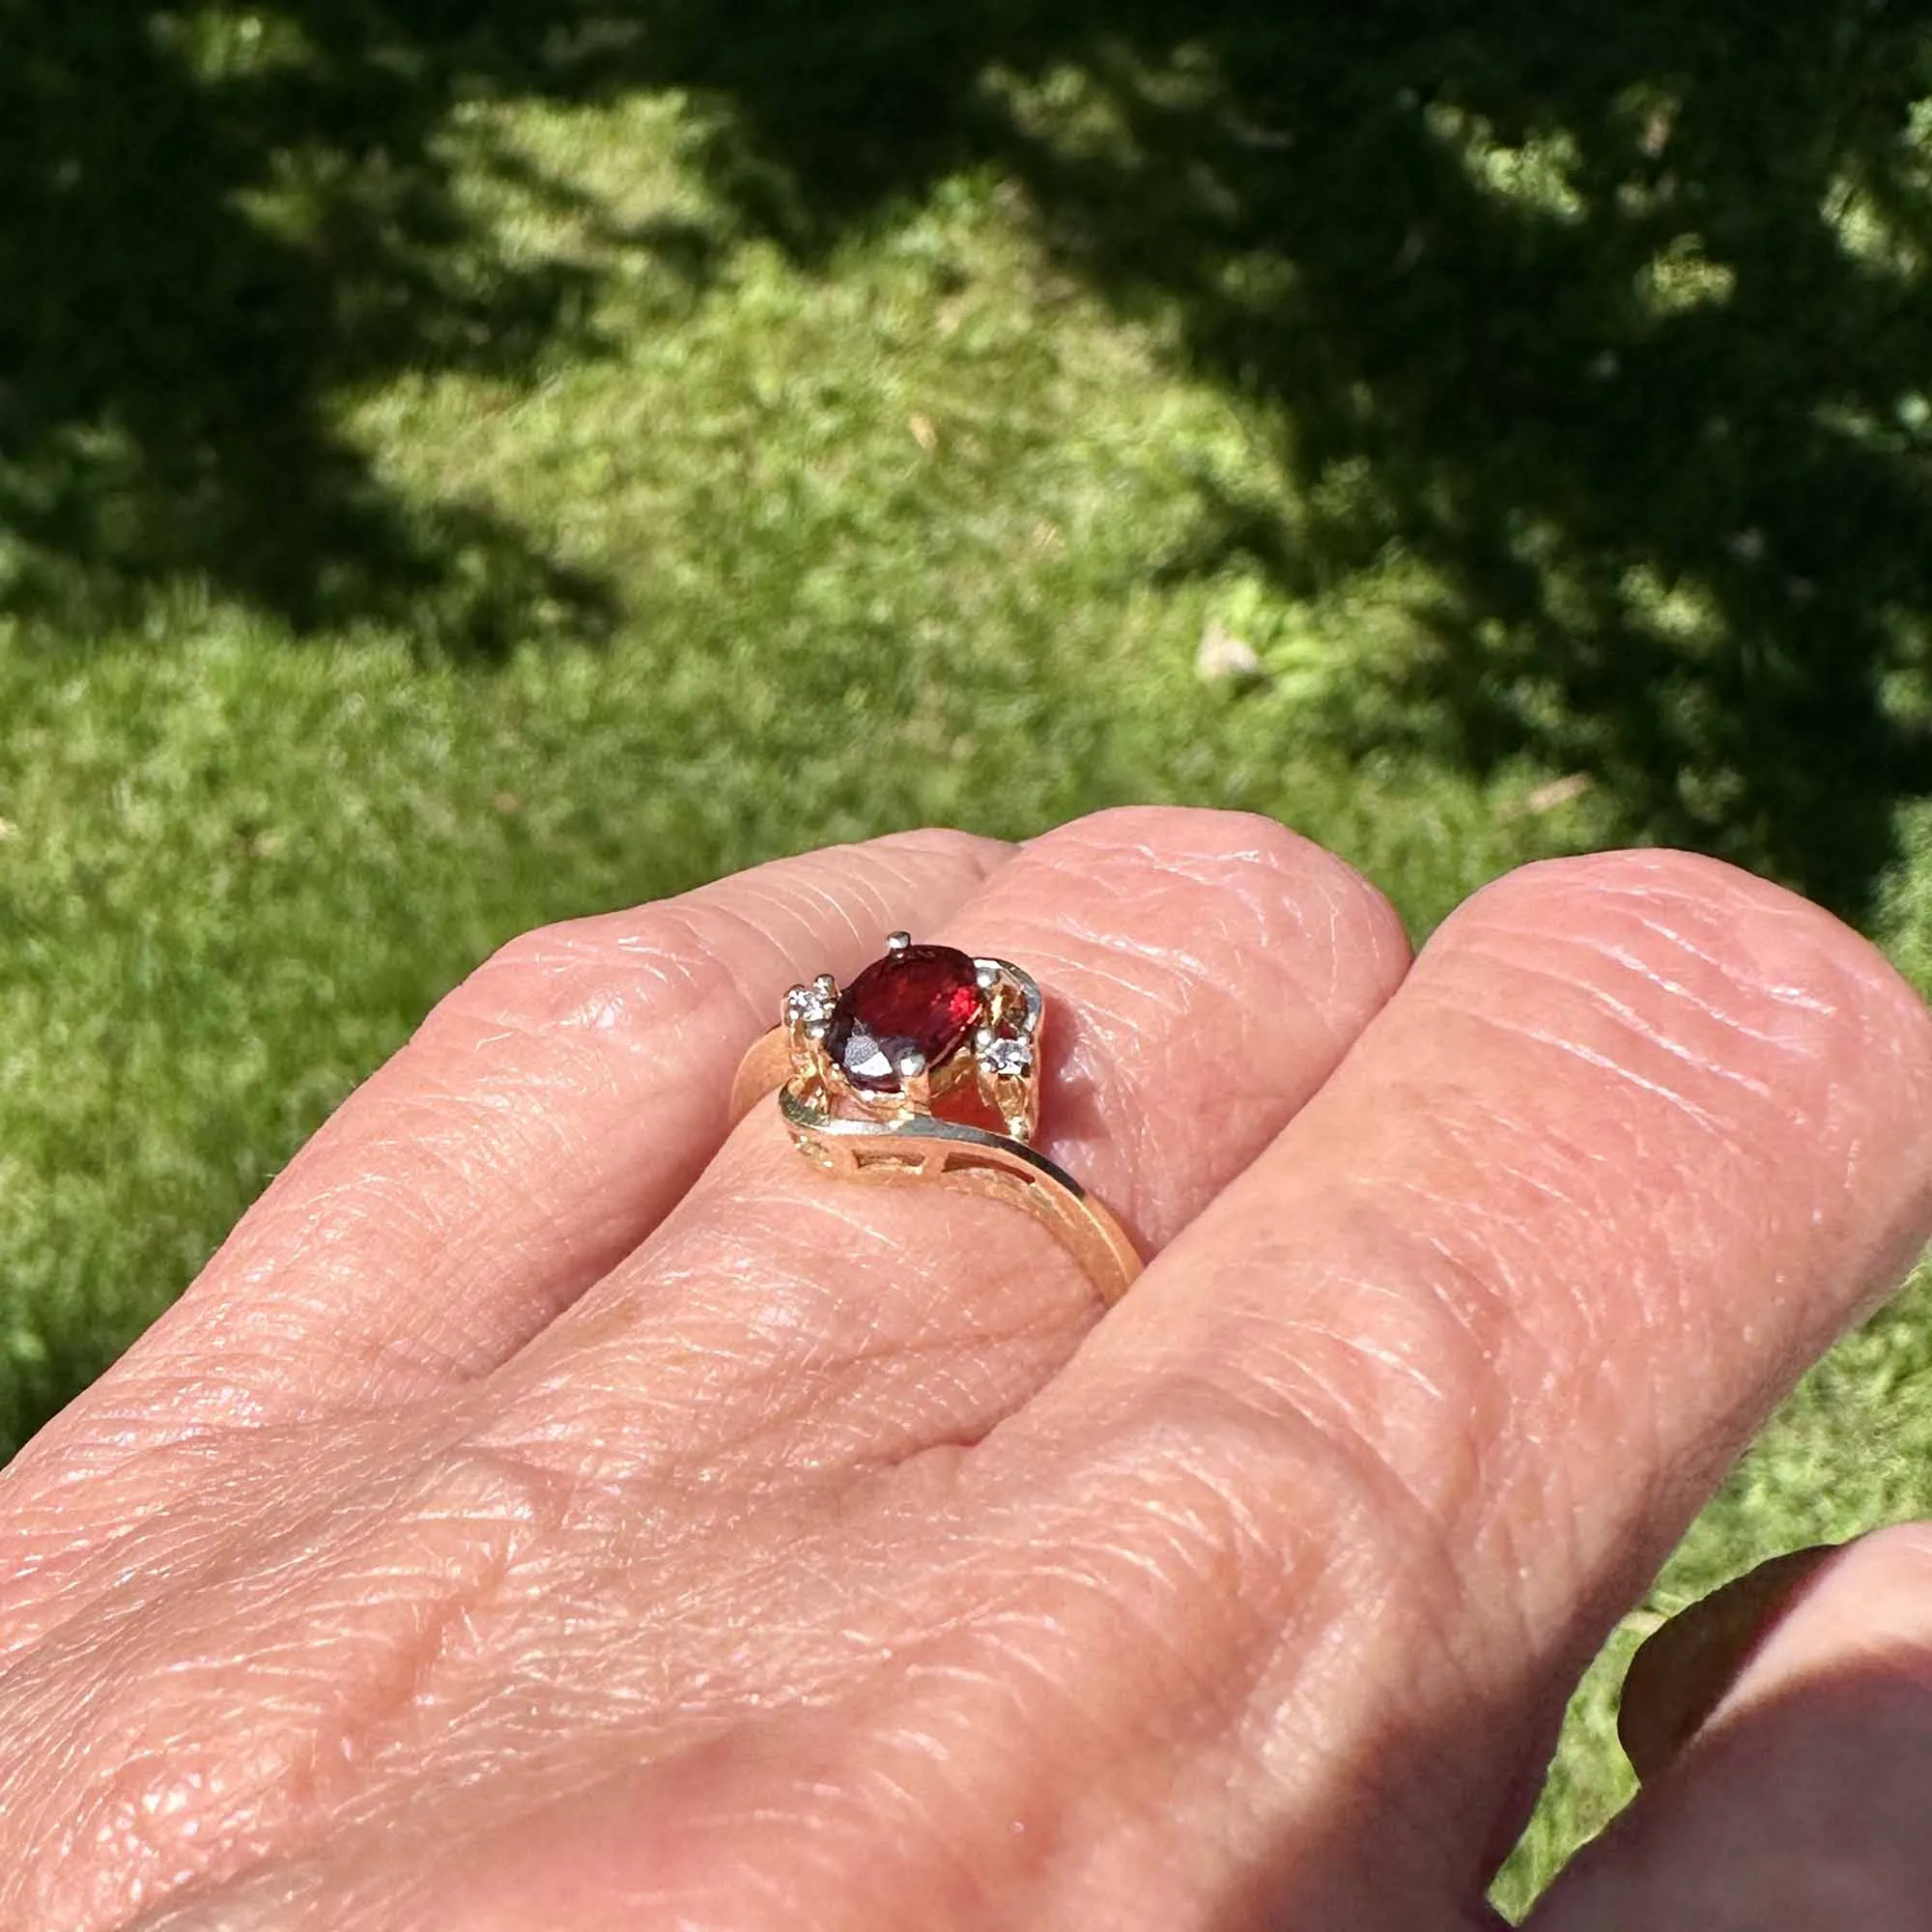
(1204, 973)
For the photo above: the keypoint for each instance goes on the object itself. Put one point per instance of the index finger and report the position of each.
(547, 1114)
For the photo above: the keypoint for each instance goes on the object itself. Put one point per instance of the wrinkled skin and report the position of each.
(555, 1506)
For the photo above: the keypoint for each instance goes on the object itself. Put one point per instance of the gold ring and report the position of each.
(858, 1072)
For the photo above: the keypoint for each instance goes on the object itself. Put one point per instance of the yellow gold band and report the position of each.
(922, 1147)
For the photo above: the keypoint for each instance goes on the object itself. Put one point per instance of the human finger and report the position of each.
(1402, 1420)
(1203, 974)
(1796, 1796)
(541, 1122)
(1685, 1669)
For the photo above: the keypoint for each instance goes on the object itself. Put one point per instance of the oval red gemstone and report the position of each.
(924, 999)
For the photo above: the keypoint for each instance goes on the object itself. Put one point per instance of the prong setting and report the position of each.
(866, 1063)
(915, 1025)
(1006, 1048)
(810, 1006)
(915, 1082)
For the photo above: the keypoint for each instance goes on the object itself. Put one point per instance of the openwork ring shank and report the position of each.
(975, 1161)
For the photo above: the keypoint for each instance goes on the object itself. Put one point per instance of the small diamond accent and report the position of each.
(1010, 1057)
(806, 1006)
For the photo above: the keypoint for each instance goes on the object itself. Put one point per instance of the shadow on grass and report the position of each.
(214, 225)
(1613, 322)
(1616, 322)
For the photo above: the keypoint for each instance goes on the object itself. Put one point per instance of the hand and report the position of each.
(550, 1510)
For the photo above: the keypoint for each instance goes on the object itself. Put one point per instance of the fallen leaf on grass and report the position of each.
(1226, 659)
(1559, 792)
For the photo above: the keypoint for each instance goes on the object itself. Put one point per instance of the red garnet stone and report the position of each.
(923, 999)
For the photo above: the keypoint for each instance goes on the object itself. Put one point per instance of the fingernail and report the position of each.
(1682, 1671)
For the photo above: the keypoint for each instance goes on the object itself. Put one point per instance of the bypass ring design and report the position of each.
(859, 1073)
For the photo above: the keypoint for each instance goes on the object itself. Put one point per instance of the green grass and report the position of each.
(512, 472)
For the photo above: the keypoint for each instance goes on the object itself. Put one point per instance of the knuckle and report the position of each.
(1663, 932)
(936, 844)
(1251, 879)
(593, 974)
(1231, 1505)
